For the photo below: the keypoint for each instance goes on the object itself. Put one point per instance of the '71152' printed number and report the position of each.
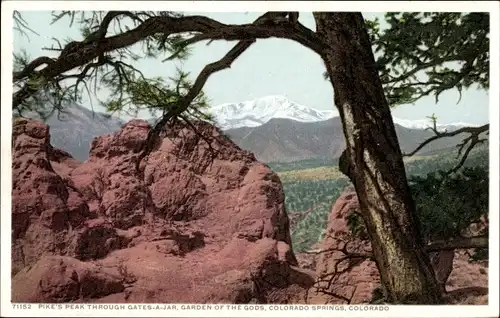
(21, 306)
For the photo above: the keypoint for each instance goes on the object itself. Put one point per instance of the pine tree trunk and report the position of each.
(374, 161)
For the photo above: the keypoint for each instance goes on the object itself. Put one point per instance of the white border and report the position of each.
(259, 6)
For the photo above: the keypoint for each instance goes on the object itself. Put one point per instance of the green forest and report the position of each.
(309, 202)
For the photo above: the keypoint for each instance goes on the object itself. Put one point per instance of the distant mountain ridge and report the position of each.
(288, 131)
(74, 129)
(285, 140)
(259, 111)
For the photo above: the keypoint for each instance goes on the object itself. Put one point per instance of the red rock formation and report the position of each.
(45, 207)
(195, 226)
(357, 278)
(352, 280)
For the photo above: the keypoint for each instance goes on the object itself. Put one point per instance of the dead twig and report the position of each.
(471, 140)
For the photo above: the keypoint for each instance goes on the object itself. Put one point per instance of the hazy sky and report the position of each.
(269, 67)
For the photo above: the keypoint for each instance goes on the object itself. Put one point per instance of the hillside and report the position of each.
(285, 140)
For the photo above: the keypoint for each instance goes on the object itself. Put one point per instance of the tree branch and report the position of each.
(106, 21)
(454, 244)
(471, 130)
(84, 52)
(458, 243)
(183, 104)
(347, 261)
(30, 68)
(423, 66)
(21, 25)
(473, 140)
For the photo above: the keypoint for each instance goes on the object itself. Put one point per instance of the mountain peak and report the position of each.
(259, 111)
(254, 113)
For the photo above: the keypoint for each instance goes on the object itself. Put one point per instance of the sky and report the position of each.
(269, 67)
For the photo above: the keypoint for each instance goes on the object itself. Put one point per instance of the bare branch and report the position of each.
(208, 140)
(180, 106)
(348, 261)
(438, 246)
(325, 282)
(458, 243)
(473, 140)
(80, 77)
(21, 25)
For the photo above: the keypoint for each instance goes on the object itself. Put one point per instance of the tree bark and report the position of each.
(374, 161)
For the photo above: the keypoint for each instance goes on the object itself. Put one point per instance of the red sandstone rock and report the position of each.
(358, 278)
(355, 279)
(44, 207)
(468, 282)
(64, 279)
(193, 226)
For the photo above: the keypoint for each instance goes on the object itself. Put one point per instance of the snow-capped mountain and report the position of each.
(257, 112)
(425, 123)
